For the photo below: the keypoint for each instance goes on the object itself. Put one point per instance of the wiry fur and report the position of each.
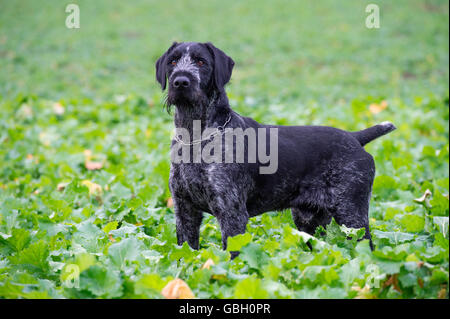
(323, 172)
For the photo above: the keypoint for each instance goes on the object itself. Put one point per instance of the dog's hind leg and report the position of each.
(307, 219)
(352, 206)
(354, 215)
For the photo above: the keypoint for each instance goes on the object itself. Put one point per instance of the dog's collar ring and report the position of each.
(219, 130)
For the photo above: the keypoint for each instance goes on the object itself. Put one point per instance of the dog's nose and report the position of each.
(181, 81)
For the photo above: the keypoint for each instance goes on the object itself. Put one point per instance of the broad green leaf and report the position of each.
(33, 258)
(110, 226)
(101, 282)
(126, 250)
(254, 255)
(237, 242)
(250, 288)
(412, 223)
(394, 237)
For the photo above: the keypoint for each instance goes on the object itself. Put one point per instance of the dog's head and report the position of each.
(194, 71)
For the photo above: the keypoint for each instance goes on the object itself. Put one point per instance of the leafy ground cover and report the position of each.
(85, 210)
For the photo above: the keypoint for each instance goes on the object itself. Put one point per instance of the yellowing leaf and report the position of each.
(375, 108)
(58, 109)
(208, 264)
(422, 198)
(87, 154)
(44, 138)
(442, 294)
(110, 226)
(93, 165)
(177, 289)
(363, 293)
(89, 163)
(61, 186)
(25, 111)
(94, 189)
(219, 277)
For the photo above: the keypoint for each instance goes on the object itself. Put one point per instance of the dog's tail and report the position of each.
(371, 133)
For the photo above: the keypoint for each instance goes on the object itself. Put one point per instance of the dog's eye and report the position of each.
(174, 62)
(200, 62)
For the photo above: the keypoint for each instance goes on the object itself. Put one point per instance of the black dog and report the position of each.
(322, 172)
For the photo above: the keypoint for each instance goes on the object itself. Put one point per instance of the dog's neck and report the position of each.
(212, 113)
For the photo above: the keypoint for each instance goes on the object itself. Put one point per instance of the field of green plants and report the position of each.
(85, 210)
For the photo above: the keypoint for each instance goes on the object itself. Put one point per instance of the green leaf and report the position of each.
(110, 226)
(389, 267)
(349, 272)
(439, 276)
(151, 285)
(254, 255)
(33, 258)
(384, 185)
(121, 191)
(435, 254)
(101, 282)
(412, 223)
(442, 224)
(394, 237)
(319, 274)
(125, 230)
(439, 204)
(237, 242)
(88, 236)
(18, 240)
(126, 250)
(185, 251)
(250, 288)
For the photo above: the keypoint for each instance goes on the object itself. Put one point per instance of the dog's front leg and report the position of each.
(232, 222)
(188, 221)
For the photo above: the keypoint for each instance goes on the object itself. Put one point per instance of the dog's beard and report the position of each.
(185, 99)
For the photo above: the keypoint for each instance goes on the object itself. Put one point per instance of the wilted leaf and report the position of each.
(208, 264)
(58, 109)
(376, 108)
(90, 165)
(177, 289)
(94, 189)
(422, 198)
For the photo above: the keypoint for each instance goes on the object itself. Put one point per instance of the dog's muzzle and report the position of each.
(181, 81)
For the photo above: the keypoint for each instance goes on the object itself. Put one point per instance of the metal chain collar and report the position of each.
(219, 130)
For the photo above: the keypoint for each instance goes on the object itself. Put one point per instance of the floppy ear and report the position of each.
(223, 66)
(161, 67)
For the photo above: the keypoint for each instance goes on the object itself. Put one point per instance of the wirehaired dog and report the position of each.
(322, 172)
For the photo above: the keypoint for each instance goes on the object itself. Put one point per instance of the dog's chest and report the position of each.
(190, 182)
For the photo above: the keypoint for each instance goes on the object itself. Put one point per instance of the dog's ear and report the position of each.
(161, 67)
(223, 66)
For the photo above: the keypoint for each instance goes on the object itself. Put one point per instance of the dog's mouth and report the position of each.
(185, 96)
